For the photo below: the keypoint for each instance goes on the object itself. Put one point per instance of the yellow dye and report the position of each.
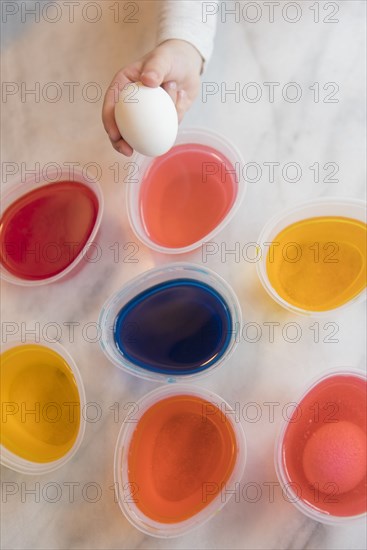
(319, 263)
(40, 403)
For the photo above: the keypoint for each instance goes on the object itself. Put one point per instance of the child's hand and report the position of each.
(175, 65)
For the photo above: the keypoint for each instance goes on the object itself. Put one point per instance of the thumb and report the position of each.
(155, 70)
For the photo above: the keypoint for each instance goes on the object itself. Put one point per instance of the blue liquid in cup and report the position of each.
(176, 327)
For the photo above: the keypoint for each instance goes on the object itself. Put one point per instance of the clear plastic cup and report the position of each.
(199, 136)
(348, 208)
(24, 466)
(291, 488)
(14, 192)
(125, 491)
(170, 272)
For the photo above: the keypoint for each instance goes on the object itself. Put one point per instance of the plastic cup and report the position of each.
(134, 184)
(128, 494)
(348, 208)
(24, 466)
(318, 503)
(170, 272)
(30, 184)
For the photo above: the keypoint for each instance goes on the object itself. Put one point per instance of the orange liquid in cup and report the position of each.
(185, 194)
(181, 454)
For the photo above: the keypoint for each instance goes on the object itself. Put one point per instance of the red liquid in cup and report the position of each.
(43, 231)
(185, 194)
(324, 447)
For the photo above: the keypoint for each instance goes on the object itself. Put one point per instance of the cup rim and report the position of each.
(186, 135)
(172, 530)
(29, 467)
(301, 505)
(21, 188)
(261, 264)
(133, 287)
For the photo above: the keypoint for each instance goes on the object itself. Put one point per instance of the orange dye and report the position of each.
(181, 454)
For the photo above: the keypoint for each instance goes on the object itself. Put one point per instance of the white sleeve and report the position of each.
(194, 22)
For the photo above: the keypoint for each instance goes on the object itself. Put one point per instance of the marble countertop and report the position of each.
(325, 62)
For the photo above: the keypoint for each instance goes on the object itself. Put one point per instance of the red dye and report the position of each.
(324, 448)
(43, 231)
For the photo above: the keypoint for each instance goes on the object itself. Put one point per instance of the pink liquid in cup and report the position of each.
(324, 447)
(186, 194)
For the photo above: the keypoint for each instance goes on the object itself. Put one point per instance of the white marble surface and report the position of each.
(304, 132)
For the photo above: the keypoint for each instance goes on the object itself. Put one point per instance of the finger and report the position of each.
(155, 70)
(171, 89)
(108, 109)
(182, 104)
(122, 147)
(120, 80)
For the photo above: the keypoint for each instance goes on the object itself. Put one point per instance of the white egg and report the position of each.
(147, 119)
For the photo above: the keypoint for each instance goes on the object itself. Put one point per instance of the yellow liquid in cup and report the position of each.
(40, 414)
(319, 263)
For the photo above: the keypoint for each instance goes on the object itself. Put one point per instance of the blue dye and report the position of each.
(176, 327)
